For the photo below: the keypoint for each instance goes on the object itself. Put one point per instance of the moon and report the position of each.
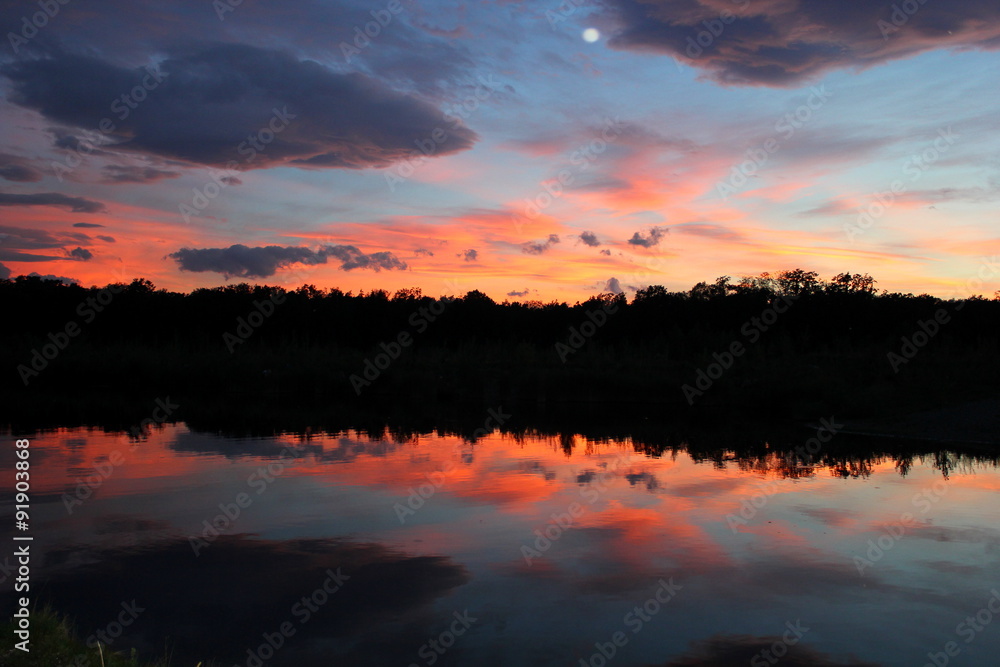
(591, 35)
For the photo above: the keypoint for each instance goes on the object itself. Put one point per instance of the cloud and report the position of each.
(4, 272)
(535, 248)
(590, 239)
(779, 43)
(23, 238)
(221, 105)
(49, 276)
(606, 252)
(13, 168)
(81, 253)
(470, 255)
(264, 261)
(109, 239)
(423, 251)
(525, 292)
(15, 256)
(119, 174)
(15, 240)
(75, 204)
(613, 286)
(654, 237)
(86, 225)
(831, 207)
(709, 231)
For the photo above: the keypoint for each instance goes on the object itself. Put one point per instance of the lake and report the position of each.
(430, 548)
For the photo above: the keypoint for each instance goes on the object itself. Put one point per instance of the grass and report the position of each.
(55, 643)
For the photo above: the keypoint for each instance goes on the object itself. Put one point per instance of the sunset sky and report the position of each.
(532, 150)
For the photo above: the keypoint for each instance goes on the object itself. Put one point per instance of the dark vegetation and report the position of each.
(829, 352)
(56, 643)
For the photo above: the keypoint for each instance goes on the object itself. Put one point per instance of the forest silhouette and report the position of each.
(788, 342)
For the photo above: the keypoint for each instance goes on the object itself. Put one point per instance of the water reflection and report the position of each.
(552, 540)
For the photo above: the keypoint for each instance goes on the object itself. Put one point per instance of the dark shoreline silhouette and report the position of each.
(788, 345)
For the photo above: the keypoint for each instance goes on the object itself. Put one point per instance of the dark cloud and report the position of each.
(787, 43)
(653, 238)
(119, 174)
(221, 104)
(109, 239)
(75, 204)
(606, 252)
(15, 240)
(376, 587)
(403, 52)
(263, 261)
(590, 239)
(744, 649)
(537, 248)
(68, 141)
(49, 276)
(613, 286)
(23, 238)
(424, 251)
(4, 272)
(13, 168)
(525, 292)
(470, 255)
(709, 231)
(16, 256)
(86, 225)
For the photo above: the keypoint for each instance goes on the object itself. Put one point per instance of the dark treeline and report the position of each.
(785, 338)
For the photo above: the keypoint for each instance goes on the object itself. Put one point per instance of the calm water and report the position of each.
(353, 550)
